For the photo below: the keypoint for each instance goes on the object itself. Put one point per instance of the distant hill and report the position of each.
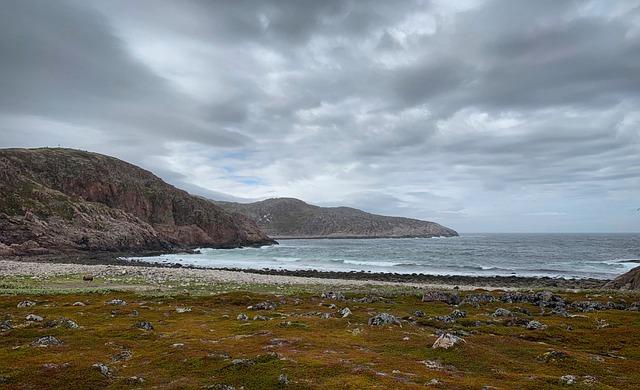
(289, 218)
(58, 200)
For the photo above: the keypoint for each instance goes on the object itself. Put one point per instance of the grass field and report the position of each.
(304, 342)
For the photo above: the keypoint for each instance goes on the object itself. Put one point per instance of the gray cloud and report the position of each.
(499, 115)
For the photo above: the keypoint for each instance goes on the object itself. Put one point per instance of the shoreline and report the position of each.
(53, 264)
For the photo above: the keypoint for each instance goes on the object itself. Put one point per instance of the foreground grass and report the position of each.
(200, 348)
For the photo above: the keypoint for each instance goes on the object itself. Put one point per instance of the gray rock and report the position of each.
(34, 318)
(345, 312)
(383, 319)
(260, 318)
(45, 341)
(326, 316)
(103, 368)
(135, 380)
(283, 380)
(267, 305)
(568, 380)
(78, 304)
(26, 303)
(533, 325)
(118, 302)
(447, 341)
(501, 312)
(123, 355)
(146, 325)
(441, 296)
(338, 296)
(243, 362)
(183, 310)
(6, 325)
(418, 313)
(242, 317)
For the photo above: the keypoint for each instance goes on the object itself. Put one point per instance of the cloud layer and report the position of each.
(483, 115)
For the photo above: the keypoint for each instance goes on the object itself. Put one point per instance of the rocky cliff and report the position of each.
(288, 217)
(627, 281)
(58, 200)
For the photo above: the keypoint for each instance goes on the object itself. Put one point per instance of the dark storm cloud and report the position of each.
(457, 111)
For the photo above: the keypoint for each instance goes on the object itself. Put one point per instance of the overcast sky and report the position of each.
(483, 115)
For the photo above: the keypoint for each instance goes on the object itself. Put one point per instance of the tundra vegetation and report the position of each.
(63, 332)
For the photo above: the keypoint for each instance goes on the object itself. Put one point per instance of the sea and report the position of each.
(603, 256)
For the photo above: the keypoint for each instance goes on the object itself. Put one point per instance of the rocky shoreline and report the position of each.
(117, 259)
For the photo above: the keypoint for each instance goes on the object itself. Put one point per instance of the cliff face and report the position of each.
(60, 199)
(287, 217)
(627, 281)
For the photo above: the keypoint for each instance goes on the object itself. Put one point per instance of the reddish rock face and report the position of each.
(64, 199)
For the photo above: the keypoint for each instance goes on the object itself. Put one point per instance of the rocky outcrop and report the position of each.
(60, 200)
(293, 218)
(627, 281)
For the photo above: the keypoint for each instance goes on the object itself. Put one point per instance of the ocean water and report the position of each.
(554, 255)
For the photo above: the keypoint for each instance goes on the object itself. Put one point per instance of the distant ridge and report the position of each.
(58, 200)
(293, 218)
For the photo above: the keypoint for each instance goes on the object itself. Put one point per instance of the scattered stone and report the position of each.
(221, 386)
(135, 380)
(533, 325)
(123, 355)
(242, 317)
(183, 309)
(78, 304)
(345, 312)
(104, 370)
(146, 325)
(441, 296)
(338, 296)
(433, 382)
(267, 305)
(568, 380)
(118, 302)
(6, 325)
(501, 312)
(447, 341)
(553, 356)
(45, 341)
(589, 380)
(34, 318)
(177, 345)
(69, 324)
(283, 380)
(477, 299)
(418, 313)
(452, 317)
(383, 319)
(601, 323)
(134, 313)
(243, 362)
(26, 304)
(260, 318)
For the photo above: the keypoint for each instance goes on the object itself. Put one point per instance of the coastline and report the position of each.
(96, 263)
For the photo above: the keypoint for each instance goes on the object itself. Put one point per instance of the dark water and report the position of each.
(555, 255)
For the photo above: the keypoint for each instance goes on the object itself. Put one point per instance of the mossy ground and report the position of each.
(196, 349)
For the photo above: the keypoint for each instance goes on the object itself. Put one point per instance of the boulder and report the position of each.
(383, 319)
(345, 312)
(46, 341)
(146, 325)
(34, 318)
(26, 303)
(501, 312)
(447, 340)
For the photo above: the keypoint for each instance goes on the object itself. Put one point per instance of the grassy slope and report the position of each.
(316, 353)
